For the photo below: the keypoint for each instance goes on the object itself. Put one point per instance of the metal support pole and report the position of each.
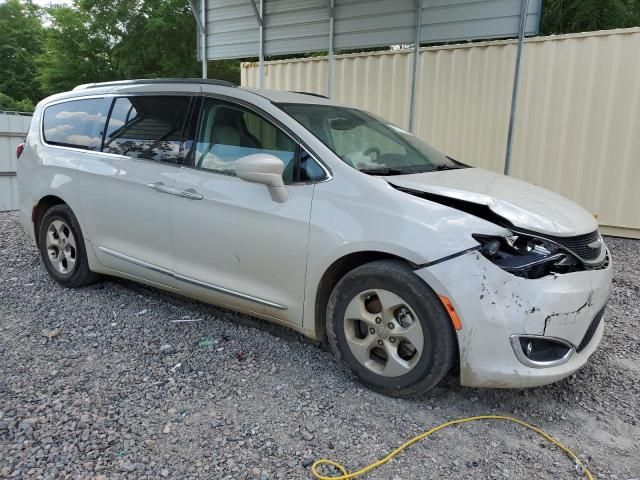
(194, 10)
(203, 31)
(259, 13)
(416, 57)
(261, 47)
(332, 7)
(524, 7)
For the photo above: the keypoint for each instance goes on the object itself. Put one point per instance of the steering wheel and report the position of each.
(371, 150)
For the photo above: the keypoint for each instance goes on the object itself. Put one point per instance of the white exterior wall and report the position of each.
(13, 128)
(578, 120)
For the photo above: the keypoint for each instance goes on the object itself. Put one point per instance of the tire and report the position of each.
(58, 232)
(409, 370)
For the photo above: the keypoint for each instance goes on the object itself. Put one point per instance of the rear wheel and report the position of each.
(390, 330)
(62, 248)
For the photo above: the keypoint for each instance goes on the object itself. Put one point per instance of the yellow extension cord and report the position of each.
(347, 476)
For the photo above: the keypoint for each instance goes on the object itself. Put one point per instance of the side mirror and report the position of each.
(265, 169)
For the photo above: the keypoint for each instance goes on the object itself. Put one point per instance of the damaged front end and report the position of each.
(526, 253)
(519, 331)
(533, 256)
(530, 300)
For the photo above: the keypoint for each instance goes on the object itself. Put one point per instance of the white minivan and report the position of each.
(321, 217)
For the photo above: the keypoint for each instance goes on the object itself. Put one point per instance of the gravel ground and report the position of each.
(103, 383)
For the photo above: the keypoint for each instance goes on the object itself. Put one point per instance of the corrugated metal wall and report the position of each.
(578, 120)
(294, 26)
(13, 128)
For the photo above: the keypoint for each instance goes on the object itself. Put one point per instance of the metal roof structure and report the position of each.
(299, 26)
(248, 28)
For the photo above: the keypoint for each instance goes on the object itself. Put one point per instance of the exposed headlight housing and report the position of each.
(526, 256)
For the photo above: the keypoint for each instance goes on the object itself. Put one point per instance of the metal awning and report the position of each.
(249, 28)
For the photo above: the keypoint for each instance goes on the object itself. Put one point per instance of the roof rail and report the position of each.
(156, 81)
(312, 94)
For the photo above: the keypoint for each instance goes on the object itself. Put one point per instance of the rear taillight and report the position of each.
(19, 150)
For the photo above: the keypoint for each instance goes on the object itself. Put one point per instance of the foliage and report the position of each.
(74, 51)
(96, 40)
(9, 104)
(160, 41)
(568, 16)
(21, 35)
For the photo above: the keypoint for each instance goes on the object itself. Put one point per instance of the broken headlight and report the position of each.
(526, 256)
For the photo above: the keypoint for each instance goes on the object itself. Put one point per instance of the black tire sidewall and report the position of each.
(81, 275)
(439, 351)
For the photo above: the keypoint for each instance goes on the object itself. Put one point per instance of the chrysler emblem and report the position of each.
(595, 244)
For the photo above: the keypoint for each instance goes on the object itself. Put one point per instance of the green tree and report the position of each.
(159, 41)
(74, 51)
(568, 16)
(155, 38)
(98, 40)
(21, 35)
(13, 105)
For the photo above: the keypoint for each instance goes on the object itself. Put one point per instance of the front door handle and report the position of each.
(189, 193)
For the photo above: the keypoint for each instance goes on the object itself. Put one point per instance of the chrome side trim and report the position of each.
(135, 261)
(193, 281)
(517, 349)
(226, 291)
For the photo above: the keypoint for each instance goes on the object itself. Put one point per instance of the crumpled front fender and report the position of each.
(493, 304)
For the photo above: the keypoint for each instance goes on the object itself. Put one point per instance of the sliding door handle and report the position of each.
(161, 187)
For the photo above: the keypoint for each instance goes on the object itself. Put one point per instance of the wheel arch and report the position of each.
(44, 204)
(332, 275)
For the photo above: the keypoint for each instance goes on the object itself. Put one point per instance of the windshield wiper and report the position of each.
(382, 171)
(447, 167)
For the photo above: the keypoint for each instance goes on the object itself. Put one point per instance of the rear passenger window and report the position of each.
(77, 123)
(147, 127)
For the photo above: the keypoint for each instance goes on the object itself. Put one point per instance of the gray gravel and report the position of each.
(102, 383)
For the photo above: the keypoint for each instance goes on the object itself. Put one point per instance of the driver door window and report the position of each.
(228, 132)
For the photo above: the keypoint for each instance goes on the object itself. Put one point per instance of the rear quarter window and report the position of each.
(76, 123)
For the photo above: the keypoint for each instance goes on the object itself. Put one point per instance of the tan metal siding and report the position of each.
(578, 120)
(13, 128)
(578, 130)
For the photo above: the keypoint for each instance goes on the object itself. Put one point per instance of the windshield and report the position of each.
(369, 143)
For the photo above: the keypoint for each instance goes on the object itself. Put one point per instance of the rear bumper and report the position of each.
(494, 305)
(26, 203)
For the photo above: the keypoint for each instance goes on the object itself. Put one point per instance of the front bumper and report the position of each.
(493, 305)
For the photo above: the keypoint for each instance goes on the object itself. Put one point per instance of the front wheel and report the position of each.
(390, 330)
(62, 248)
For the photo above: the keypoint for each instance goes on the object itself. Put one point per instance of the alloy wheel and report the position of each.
(383, 332)
(61, 247)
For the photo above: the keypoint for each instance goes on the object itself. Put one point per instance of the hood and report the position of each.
(521, 204)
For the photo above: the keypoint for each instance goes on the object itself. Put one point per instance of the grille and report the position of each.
(580, 245)
(590, 331)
